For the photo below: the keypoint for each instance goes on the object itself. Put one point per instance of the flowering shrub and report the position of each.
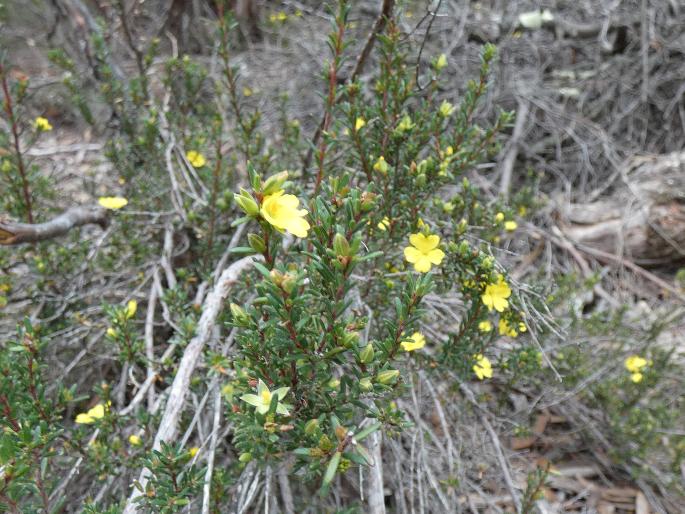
(365, 259)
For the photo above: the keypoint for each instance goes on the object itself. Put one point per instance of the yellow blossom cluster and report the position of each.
(93, 414)
(635, 366)
(42, 124)
(482, 368)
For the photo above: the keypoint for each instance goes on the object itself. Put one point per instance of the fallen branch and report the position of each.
(168, 426)
(12, 233)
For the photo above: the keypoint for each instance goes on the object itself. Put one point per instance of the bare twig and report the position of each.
(512, 152)
(17, 233)
(168, 426)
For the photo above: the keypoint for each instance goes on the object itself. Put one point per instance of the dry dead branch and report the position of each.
(12, 233)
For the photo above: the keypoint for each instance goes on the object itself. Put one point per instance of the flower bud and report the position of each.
(245, 457)
(350, 339)
(440, 62)
(274, 183)
(256, 243)
(239, 315)
(340, 246)
(387, 377)
(421, 180)
(365, 384)
(340, 432)
(246, 203)
(462, 226)
(289, 282)
(311, 426)
(368, 200)
(135, 440)
(366, 355)
(334, 383)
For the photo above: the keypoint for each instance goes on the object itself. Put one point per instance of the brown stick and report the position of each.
(12, 233)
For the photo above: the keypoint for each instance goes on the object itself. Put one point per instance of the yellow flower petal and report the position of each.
(131, 308)
(635, 363)
(196, 159)
(482, 368)
(435, 256)
(411, 254)
(485, 326)
(84, 419)
(424, 244)
(495, 295)
(42, 124)
(359, 123)
(423, 265)
(415, 342)
(112, 202)
(280, 210)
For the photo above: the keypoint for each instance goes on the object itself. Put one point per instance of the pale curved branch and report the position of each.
(12, 233)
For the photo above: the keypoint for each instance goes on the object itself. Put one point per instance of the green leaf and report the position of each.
(332, 468)
(242, 250)
(362, 434)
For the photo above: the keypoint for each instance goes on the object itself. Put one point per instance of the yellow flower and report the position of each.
(134, 440)
(635, 363)
(384, 223)
(193, 451)
(522, 210)
(449, 151)
(485, 326)
(97, 412)
(359, 124)
(131, 308)
(247, 91)
(423, 252)
(446, 109)
(495, 295)
(42, 124)
(522, 327)
(112, 202)
(196, 159)
(415, 342)
(262, 400)
(111, 332)
(441, 62)
(281, 211)
(482, 368)
(636, 377)
(499, 217)
(381, 166)
(510, 225)
(505, 329)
